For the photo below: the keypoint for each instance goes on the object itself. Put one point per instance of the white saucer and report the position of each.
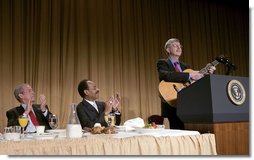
(60, 133)
(149, 130)
(44, 136)
(55, 131)
(124, 128)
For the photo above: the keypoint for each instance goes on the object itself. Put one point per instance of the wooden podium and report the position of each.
(211, 105)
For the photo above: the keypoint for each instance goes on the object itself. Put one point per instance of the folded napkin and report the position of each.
(136, 122)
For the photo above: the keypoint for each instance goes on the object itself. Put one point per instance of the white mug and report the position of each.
(40, 129)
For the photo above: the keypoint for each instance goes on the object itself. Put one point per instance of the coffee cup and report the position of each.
(40, 129)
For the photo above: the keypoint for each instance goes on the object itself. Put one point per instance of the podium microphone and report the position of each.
(231, 67)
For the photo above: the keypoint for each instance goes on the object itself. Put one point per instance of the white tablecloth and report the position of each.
(163, 142)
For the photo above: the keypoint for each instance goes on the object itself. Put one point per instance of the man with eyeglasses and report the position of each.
(171, 70)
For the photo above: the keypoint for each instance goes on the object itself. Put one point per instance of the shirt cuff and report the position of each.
(117, 112)
(45, 113)
(24, 114)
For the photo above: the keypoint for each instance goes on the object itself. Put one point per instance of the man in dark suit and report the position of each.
(171, 70)
(37, 114)
(91, 111)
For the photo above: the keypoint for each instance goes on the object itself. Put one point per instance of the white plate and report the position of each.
(86, 134)
(56, 130)
(149, 130)
(60, 133)
(44, 136)
(12, 136)
(124, 128)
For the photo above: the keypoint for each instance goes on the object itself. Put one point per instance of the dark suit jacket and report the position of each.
(88, 115)
(14, 113)
(167, 73)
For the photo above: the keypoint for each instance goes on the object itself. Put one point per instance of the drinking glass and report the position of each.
(53, 121)
(110, 119)
(23, 120)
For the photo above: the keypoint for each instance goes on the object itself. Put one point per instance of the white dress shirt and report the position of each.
(93, 104)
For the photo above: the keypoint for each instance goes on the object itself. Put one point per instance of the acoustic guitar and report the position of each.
(168, 90)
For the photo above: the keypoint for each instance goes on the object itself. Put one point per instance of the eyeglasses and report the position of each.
(176, 45)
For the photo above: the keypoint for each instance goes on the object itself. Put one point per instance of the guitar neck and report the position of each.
(205, 69)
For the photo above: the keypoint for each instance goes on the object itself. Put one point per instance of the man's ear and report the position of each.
(167, 51)
(86, 92)
(20, 96)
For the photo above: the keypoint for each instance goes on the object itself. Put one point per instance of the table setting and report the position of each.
(132, 138)
(130, 128)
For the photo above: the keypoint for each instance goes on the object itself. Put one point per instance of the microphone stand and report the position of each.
(231, 67)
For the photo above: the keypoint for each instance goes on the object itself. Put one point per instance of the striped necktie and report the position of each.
(33, 118)
(176, 66)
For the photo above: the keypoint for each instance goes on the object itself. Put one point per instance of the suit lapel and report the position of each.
(182, 66)
(20, 110)
(100, 106)
(170, 65)
(90, 107)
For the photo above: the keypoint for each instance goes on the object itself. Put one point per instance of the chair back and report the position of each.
(157, 119)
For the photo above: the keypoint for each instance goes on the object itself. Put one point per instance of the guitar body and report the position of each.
(167, 89)
(168, 92)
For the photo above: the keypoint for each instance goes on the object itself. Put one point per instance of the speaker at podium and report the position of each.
(218, 104)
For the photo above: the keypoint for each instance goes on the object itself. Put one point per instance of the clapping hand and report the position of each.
(108, 107)
(112, 103)
(43, 102)
(29, 106)
(116, 101)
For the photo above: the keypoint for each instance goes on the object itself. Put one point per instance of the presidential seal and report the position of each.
(236, 92)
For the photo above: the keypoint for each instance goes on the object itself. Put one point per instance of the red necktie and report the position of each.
(33, 118)
(176, 67)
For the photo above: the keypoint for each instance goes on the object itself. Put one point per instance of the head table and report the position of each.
(164, 142)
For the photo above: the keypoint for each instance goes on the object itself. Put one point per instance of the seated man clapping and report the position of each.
(91, 111)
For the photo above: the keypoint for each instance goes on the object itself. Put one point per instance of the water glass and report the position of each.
(110, 119)
(53, 121)
(12, 133)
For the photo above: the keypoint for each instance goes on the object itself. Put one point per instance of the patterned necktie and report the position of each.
(33, 118)
(176, 67)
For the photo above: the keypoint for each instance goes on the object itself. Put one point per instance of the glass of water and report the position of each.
(53, 121)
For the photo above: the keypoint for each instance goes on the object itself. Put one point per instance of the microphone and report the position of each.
(222, 59)
(231, 67)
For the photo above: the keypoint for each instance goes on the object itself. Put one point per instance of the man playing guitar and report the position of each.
(173, 70)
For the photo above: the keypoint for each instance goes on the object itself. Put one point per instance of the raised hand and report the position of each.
(116, 101)
(29, 106)
(43, 102)
(108, 107)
